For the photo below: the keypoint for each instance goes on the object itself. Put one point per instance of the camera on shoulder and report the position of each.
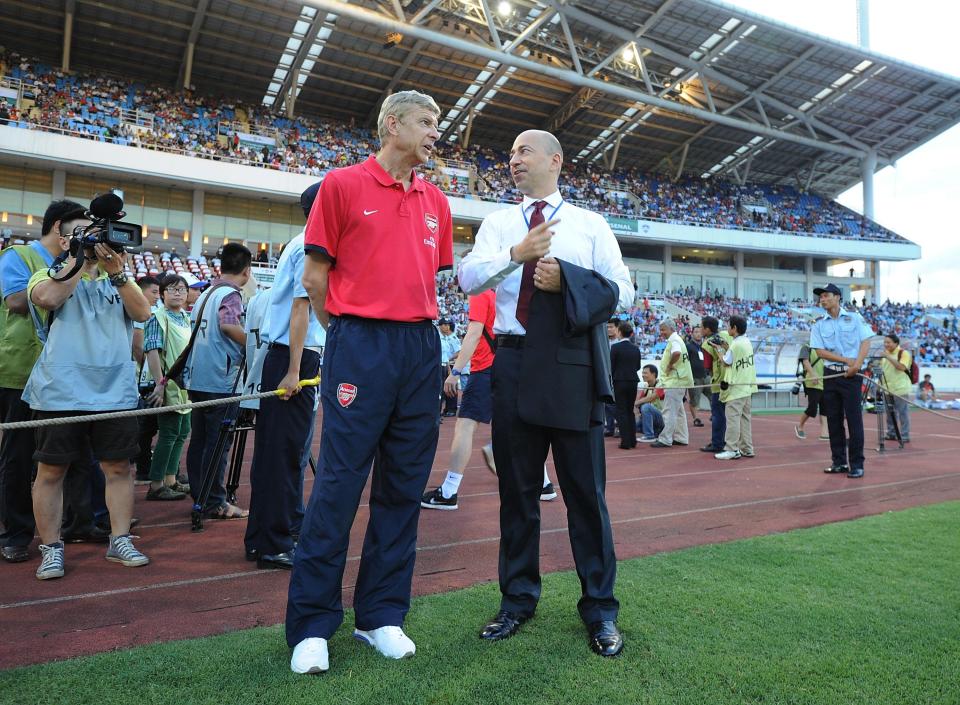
(106, 227)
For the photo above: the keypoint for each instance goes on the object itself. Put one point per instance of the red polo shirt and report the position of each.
(386, 244)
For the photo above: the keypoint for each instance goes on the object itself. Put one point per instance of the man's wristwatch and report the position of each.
(455, 372)
(118, 279)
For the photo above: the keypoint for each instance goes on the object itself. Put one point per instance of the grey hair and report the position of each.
(399, 104)
(668, 323)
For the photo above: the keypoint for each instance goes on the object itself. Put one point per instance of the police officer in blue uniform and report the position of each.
(295, 340)
(842, 340)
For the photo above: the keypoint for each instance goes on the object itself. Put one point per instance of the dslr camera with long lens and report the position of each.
(105, 213)
(106, 227)
(798, 385)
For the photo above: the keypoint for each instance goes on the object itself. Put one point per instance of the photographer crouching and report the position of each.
(85, 368)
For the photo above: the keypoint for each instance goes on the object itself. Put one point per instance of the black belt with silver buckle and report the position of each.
(505, 340)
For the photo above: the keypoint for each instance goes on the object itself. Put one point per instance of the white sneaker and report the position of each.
(389, 641)
(310, 656)
(728, 455)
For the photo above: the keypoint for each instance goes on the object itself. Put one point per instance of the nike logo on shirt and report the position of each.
(366, 212)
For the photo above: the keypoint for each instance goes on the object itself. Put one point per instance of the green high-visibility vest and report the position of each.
(19, 345)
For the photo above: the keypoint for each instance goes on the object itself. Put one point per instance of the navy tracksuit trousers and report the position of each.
(379, 394)
(276, 475)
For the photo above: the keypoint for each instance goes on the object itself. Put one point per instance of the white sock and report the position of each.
(451, 484)
(546, 477)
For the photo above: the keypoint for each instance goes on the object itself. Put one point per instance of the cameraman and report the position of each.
(712, 346)
(86, 368)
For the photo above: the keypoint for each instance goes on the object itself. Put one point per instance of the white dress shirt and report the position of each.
(581, 237)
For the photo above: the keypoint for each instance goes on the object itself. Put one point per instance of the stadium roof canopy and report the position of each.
(676, 86)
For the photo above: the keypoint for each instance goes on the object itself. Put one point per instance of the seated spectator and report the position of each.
(651, 405)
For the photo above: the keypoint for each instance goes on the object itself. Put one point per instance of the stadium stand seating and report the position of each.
(153, 117)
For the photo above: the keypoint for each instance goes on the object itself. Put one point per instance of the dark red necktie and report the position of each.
(526, 279)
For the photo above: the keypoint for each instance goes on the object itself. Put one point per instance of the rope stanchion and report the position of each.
(107, 416)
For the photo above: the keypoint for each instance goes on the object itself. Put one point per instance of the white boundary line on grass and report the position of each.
(470, 542)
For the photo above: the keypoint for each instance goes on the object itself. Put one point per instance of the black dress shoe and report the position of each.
(855, 473)
(96, 534)
(605, 638)
(710, 449)
(251, 554)
(283, 560)
(503, 626)
(834, 469)
(15, 554)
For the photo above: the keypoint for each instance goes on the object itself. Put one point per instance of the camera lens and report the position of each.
(796, 388)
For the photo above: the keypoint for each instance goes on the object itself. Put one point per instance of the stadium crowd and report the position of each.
(156, 117)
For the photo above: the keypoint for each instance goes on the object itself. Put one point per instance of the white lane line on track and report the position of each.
(490, 539)
(733, 467)
(721, 507)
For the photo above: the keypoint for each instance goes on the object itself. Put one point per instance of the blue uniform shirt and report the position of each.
(449, 348)
(14, 272)
(841, 335)
(287, 286)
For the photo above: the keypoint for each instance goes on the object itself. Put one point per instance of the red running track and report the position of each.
(660, 500)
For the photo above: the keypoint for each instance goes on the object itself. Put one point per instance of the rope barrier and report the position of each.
(107, 416)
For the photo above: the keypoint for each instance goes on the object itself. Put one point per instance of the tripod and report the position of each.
(246, 422)
(880, 401)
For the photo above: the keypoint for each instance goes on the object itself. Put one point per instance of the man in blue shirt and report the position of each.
(295, 341)
(842, 340)
(449, 349)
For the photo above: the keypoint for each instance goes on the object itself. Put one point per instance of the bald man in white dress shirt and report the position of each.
(547, 257)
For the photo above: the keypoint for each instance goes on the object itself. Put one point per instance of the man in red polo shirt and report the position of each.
(376, 237)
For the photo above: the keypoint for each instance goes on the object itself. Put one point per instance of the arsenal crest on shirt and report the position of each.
(432, 223)
(346, 393)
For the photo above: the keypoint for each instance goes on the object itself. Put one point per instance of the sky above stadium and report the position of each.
(917, 198)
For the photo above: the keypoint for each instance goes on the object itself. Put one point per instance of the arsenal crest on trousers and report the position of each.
(346, 393)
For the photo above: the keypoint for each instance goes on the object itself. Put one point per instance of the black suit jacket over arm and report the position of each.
(565, 369)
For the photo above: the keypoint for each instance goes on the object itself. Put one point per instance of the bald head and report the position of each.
(535, 162)
(546, 140)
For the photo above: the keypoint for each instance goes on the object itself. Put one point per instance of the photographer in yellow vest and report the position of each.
(813, 390)
(676, 377)
(713, 362)
(896, 363)
(736, 391)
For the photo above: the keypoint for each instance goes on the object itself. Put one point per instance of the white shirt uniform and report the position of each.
(581, 237)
